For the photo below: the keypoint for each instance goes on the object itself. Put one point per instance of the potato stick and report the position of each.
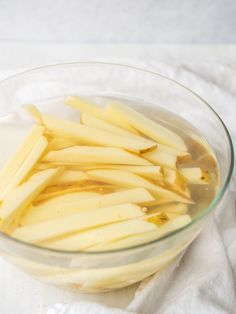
(175, 181)
(15, 162)
(57, 208)
(59, 143)
(19, 199)
(103, 234)
(27, 165)
(94, 154)
(150, 128)
(106, 188)
(85, 134)
(34, 113)
(170, 226)
(42, 166)
(86, 106)
(161, 158)
(154, 172)
(26, 219)
(74, 223)
(94, 122)
(128, 179)
(179, 209)
(70, 176)
(195, 175)
(173, 151)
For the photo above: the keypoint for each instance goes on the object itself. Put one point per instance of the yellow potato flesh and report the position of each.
(147, 126)
(195, 175)
(88, 107)
(18, 199)
(94, 154)
(77, 222)
(128, 179)
(161, 158)
(16, 161)
(70, 205)
(138, 239)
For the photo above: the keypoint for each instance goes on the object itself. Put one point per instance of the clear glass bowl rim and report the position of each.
(198, 218)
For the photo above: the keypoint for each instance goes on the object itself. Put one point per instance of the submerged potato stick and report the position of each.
(19, 199)
(16, 161)
(128, 179)
(150, 128)
(85, 134)
(85, 106)
(69, 205)
(77, 222)
(94, 154)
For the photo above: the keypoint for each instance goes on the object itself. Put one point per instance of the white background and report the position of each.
(119, 21)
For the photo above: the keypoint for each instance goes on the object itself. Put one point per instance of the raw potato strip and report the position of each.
(74, 223)
(70, 176)
(146, 126)
(181, 155)
(85, 134)
(179, 209)
(94, 122)
(170, 226)
(161, 158)
(25, 220)
(19, 157)
(57, 208)
(154, 172)
(59, 143)
(85, 106)
(20, 198)
(94, 154)
(128, 179)
(106, 188)
(103, 234)
(195, 175)
(176, 182)
(28, 164)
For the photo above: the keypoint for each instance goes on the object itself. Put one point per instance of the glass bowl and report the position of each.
(107, 270)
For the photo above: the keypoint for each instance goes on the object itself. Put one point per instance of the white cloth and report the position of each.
(204, 280)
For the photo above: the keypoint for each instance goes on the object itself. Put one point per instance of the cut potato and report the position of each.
(87, 135)
(63, 190)
(181, 155)
(70, 176)
(161, 158)
(15, 162)
(59, 143)
(26, 219)
(103, 234)
(128, 179)
(153, 172)
(179, 209)
(74, 223)
(138, 239)
(175, 181)
(94, 154)
(195, 175)
(23, 171)
(57, 207)
(18, 199)
(146, 126)
(94, 122)
(87, 107)
(34, 113)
